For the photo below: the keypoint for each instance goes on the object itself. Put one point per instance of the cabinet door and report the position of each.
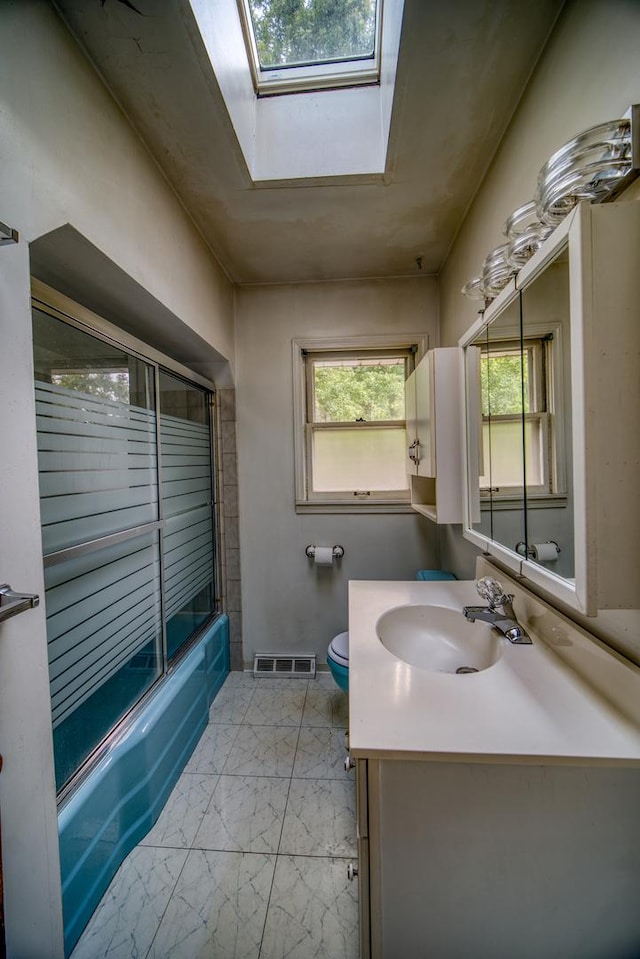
(597, 568)
(424, 373)
(364, 866)
(478, 508)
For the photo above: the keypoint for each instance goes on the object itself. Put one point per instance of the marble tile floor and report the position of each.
(249, 856)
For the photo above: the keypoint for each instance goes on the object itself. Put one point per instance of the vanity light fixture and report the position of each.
(598, 165)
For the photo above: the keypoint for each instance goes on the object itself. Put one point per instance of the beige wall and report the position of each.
(68, 157)
(589, 73)
(288, 605)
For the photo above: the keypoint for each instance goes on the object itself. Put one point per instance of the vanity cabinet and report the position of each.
(497, 811)
(433, 397)
(495, 861)
(552, 467)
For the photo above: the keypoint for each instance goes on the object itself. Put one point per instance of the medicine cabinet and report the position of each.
(552, 403)
(433, 400)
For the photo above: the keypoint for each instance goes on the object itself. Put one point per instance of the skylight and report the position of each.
(329, 119)
(311, 44)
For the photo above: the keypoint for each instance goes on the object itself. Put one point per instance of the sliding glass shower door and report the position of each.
(187, 536)
(125, 465)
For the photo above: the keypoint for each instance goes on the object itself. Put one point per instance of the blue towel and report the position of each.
(434, 574)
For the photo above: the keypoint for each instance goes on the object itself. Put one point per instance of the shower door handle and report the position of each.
(12, 603)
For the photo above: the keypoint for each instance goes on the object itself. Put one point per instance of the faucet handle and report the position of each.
(493, 591)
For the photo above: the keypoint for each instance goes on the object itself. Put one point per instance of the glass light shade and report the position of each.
(586, 167)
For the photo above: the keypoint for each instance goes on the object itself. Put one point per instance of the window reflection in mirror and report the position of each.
(549, 505)
(503, 401)
(518, 377)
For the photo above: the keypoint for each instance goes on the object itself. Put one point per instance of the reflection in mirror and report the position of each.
(548, 456)
(479, 513)
(504, 392)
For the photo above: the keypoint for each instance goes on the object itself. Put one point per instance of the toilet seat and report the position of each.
(339, 649)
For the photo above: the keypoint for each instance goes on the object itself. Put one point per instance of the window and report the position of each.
(298, 45)
(514, 384)
(352, 442)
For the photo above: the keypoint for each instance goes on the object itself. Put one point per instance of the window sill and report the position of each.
(349, 507)
(538, 501)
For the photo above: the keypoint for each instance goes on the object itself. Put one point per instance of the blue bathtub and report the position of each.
(114, 808)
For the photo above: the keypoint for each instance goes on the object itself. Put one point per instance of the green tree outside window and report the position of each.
(291, 32)
(346, 394)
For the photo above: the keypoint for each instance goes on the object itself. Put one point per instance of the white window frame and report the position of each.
(349, 501)
(301, 78)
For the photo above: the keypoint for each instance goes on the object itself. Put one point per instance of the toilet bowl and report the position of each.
(338, 660)
(338, 652)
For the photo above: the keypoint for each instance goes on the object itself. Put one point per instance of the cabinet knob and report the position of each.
(352, 871)
(349, 764)
(414, 452)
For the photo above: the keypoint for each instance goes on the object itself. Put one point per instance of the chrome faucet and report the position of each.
(499, 612)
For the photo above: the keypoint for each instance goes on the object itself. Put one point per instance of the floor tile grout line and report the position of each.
(190, 848)
(241, 721)
(219, 774)
(284, 815)
(169, 898)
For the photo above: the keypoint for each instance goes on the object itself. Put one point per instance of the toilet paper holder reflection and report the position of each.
(531, 552)
(338, 552)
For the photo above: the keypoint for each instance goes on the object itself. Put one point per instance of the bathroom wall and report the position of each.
(81, 189)
(71, 157)
(288, 605)
(588, 73)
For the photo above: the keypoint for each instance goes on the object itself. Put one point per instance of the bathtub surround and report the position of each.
(249, 856)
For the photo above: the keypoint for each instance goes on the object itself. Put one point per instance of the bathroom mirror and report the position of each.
(548, 470)
(519, 456)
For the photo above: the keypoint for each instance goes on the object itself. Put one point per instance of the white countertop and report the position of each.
(529, 707)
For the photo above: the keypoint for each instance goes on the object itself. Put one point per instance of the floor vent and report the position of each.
(296, 667)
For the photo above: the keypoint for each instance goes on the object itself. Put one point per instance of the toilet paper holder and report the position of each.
(338, 552)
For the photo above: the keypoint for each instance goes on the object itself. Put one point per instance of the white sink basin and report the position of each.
(438, 639)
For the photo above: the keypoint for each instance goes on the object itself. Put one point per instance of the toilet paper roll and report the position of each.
(323, 556)
(544, 552)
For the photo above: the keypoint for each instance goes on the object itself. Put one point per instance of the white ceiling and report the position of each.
(463, 66)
